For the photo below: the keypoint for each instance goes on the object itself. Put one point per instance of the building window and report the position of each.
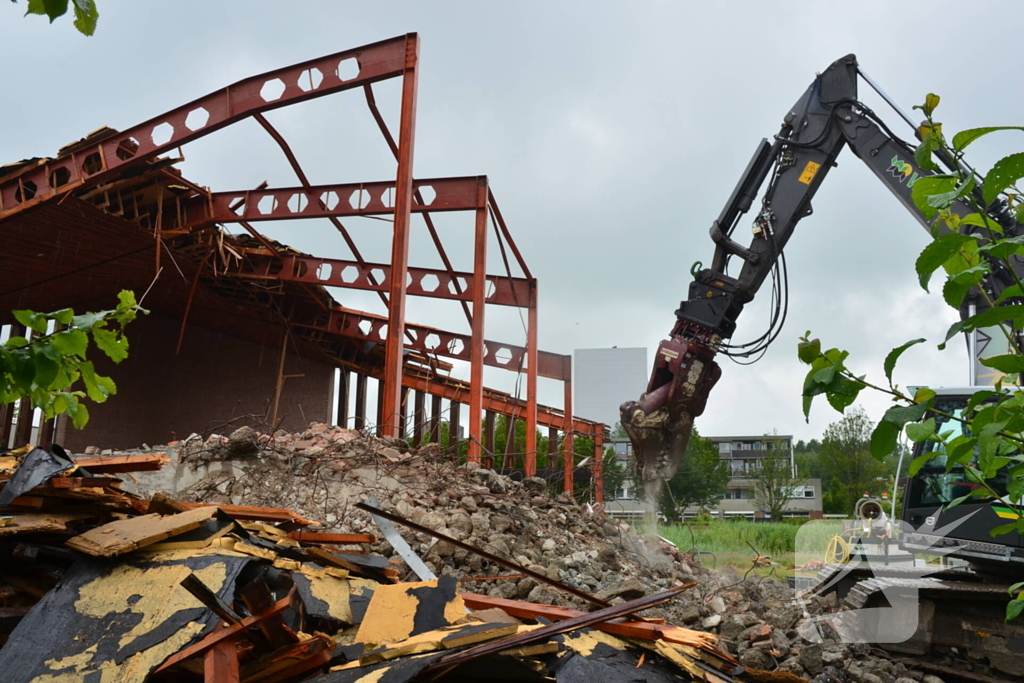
(724, 447)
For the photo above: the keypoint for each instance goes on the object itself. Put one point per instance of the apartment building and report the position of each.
(742, 455)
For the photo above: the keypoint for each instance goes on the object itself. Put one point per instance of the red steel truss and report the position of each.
(110, 158)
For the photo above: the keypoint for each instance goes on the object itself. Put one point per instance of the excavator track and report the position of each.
(957, 612)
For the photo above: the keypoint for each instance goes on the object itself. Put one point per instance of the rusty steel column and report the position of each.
(530, 458)
(488, 438)
(343, 396)
(476, 370)
(23, 430)
(598, 468)
(552, 450)
(380, 408)
(568, 458)
(453, 429)
(394, 347)
(403, 417)
(510, 444)
(419, 419)
(360, 408)
(7, 422)
(435, 419)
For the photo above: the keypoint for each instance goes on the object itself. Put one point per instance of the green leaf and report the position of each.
(924, 394)
(883, 439)
(956, 501)
(894, 355)
(808, 351)
(966, 137)
(981, 221)
(97, 387)
(1004, 247)
(978, 398)
(63, 316)
(111, 343)
(1008, 363)
(956, 287)
(961, 448)
(1004, 173)
(942, 200)
(32, 320)
(921, 431)
(1011, 292)
(1004, 529)
(989, 318)
(86, 16)
(928, 186)
(842, 393)
(49, 8)
(919, 462)
(825, 375)
(1014, 609)
(936, 253)
(931, 101)
(72, 342)
(901, 415)
(1016, 587)
(923, 154)
(45, 371)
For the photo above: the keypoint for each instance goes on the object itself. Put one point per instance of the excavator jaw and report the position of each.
(660, 423)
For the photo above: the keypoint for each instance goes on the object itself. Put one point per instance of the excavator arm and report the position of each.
(827, 118)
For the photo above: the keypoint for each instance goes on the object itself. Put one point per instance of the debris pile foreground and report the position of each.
(101, 584)
(275, 547)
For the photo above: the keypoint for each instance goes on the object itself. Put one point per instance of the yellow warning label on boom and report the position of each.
(810, 170)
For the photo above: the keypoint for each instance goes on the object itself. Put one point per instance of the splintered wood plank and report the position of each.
(315, 537)
(246, 512)
(116, 464)
(228, 633)
(125, 535)
(201, 537)
(53, 522)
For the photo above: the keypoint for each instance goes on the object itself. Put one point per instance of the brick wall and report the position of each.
(216, 378)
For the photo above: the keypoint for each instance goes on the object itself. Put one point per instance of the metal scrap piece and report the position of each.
(400, 545)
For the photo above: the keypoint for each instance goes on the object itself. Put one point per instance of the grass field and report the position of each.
(737, 543)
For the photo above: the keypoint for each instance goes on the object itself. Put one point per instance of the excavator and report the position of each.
(963, 608)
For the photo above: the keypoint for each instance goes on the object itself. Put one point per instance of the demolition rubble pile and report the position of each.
(100, 584)
(324, 472)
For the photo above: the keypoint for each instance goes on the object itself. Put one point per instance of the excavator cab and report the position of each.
(927, 494)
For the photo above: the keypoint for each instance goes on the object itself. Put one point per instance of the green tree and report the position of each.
(86, 14)
(700, 481)
(970, 213)
(50, 365)
(774, 482)
(847, 464)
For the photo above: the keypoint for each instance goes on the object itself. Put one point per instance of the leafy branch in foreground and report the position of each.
(48, 366)
(969, 214)
(86, 14)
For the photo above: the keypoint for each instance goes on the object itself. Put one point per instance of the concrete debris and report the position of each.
(285, 549)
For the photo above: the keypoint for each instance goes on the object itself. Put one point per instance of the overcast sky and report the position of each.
(612, 134)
